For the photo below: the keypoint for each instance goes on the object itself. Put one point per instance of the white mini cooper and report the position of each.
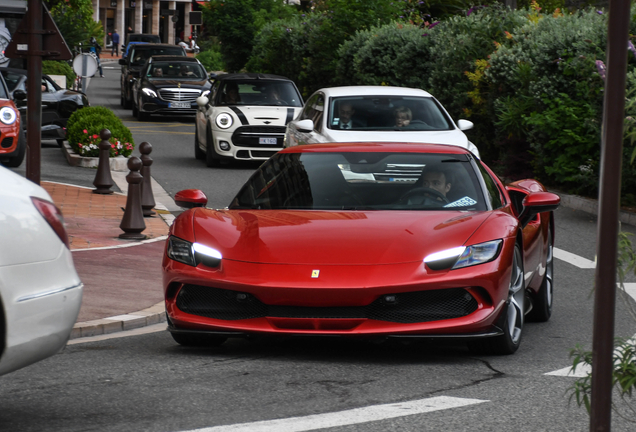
(243, 117)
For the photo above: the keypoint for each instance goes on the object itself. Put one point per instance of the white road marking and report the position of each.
(573, 259)
(135, 332)
(349, 417)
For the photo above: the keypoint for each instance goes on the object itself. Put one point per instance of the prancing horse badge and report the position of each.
(315, 273)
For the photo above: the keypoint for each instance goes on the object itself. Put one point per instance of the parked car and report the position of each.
(132, 64)
(12, 137)
(139, 37)
(169, 85)
(40, 291)
(244, 117)
(57, 103)
(399, 240)
(370, 115)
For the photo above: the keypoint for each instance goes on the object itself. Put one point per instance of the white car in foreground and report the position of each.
(243, 117)
(40, 291)
(376, 113)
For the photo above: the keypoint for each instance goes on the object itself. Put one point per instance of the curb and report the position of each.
(590, 206)
(119, 163)
(153, 315)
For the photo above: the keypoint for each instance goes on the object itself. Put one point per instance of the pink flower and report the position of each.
(95, 136)
(80, 145)
(85, 131)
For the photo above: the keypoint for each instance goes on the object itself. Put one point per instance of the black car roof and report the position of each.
(146, 46)
(250, 76)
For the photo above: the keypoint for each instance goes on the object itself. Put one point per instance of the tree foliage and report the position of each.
(74, 19)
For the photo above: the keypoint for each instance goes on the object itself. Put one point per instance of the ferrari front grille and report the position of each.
(179, 94)
(250, 136)
(413, 307)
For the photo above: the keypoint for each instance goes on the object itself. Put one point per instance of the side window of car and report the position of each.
(319, 110)
(214, 91)
(494, 196)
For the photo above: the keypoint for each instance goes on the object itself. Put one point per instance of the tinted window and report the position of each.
(363, 181)
(11, 79)
(261, 92)
(383, 112)
(174, 70)
(140, 55)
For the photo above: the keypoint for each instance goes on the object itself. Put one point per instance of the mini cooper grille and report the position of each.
(7, 142)
(414, 307)
(248, 136)
(179, 95)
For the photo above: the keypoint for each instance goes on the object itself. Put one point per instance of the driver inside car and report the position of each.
(430, 188)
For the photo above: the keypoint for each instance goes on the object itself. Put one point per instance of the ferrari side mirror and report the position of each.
(538, 202)
(190, 198)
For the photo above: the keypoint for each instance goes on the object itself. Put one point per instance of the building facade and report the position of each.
(168, 19)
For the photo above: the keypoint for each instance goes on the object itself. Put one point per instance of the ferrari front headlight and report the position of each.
(224, 120)
(464, 256)
(193, 254)
(8, 115)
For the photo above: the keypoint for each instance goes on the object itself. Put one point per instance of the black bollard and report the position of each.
(133, 221)
(147, 199)
(103, 180)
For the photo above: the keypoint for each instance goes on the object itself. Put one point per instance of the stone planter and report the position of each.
(118, 163)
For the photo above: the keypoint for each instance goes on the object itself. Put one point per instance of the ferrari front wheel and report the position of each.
(514, 318)
(198, 340)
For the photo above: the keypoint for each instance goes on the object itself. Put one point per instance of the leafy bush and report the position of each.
(54, 67)
(211, 60)
(394, 54)
(85, 125)
(74, 19)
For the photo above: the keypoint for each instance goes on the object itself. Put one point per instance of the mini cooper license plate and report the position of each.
(271, 141)
(179, 104)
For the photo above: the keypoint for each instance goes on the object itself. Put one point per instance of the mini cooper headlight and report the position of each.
(149, 92)
(7, 115)
(224, 120)
(193, 253)
(464, 256)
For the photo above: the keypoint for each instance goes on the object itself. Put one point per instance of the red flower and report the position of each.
(112, 145)
(95, 136)
(85, 131)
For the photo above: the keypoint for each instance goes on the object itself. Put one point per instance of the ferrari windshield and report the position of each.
(384, 113)
(363, 181)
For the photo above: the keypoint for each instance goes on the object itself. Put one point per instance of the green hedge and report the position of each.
(85, 125)
(54, 67)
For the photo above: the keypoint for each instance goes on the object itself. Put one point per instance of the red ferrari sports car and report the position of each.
(364, 239)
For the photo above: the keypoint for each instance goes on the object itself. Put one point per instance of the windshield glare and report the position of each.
(363, 181)
(382, 113)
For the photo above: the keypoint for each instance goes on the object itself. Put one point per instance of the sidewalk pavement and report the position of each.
(122, 278)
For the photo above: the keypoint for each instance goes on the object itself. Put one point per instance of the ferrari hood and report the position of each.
(332, 237)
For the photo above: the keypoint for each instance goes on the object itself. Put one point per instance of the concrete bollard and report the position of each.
(103, 180)
(133, 221)
(147, 199)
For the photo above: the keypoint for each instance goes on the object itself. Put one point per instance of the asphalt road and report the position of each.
(148, 382)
